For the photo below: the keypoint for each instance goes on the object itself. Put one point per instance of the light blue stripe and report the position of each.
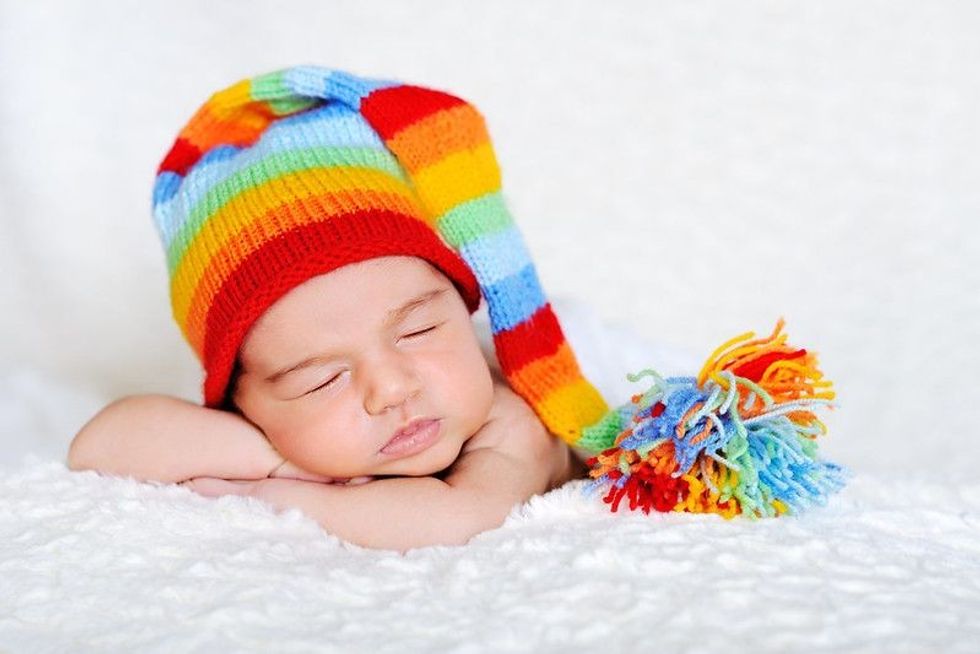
(514, 299)
(496, 256)
(332, 125)
(327, 125)
(337, 85)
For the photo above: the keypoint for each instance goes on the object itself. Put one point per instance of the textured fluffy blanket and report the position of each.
(112, 565)
(93, 564)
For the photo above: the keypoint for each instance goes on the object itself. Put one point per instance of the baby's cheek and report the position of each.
(303, 436)
(486, 394)
(469, 386)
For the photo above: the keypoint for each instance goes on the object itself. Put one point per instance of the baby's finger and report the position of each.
(290, 471)
(216, 487)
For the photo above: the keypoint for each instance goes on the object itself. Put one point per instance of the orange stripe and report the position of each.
(265, 227)
(542, 376)
(435, 137)
(561, 396)
(229, 117)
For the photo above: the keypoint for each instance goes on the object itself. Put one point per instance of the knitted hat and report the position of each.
(298, 172)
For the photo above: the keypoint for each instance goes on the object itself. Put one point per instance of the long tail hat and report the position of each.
(294, 173)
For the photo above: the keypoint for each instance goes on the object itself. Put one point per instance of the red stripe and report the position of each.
(302, 253)
(537, 337)
(393, 109)
(181, 157)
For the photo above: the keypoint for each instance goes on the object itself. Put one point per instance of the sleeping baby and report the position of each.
(327, 239)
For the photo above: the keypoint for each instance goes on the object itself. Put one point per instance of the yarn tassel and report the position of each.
(738, 439)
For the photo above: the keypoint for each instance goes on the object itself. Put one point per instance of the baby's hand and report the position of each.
(268, 489)
(288, 470)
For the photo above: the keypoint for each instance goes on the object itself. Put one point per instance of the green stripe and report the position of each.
(291, 105)
(602, 434)
(281, 99)
(474, 218)
(268, 87)
(276, 165)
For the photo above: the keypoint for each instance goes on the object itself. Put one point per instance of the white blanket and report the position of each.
(94, 564)
(113, 565)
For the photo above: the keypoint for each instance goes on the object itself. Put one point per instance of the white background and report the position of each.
(690, 170)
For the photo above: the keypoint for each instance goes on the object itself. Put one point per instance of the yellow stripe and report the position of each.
(227, 225)
(459, 177)
(568, 409)
(427, 141)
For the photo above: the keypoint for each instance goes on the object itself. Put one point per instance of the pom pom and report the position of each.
(738, 439)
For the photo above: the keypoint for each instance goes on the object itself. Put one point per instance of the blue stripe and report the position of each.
(218, 153)
(514, 299)
(168, 181)
(331, 125)
(165, 187)
(496, 256)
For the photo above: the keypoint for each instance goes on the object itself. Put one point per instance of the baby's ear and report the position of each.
(231, 395)
(231, 406)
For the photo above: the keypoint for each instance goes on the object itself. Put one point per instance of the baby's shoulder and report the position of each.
(514, 430)
(512, 426)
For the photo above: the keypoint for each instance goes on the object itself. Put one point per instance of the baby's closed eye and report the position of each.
(330, 380)
(422, 332)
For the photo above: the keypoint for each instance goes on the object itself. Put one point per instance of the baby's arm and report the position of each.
(161, 438)
(514, 460)
(401, 513)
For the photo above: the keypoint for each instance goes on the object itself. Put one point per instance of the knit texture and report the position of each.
(292, 174)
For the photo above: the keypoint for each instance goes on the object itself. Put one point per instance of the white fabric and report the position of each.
(110, 565)
(98, 564)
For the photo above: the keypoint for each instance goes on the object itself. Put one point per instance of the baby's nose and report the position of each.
(391, 383)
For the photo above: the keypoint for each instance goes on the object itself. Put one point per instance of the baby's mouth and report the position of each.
(414, 437)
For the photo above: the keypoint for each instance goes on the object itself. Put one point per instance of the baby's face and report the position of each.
(337, 365)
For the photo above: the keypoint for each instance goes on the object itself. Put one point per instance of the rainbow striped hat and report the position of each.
(292, 174)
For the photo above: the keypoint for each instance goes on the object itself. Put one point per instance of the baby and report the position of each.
(328, 238)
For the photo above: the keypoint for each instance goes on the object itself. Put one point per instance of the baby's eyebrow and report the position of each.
(392, 317)
(395, 315)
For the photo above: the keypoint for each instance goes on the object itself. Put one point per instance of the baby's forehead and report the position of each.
(379, 281)
(366, 294)
(406, 267)
(397, 275)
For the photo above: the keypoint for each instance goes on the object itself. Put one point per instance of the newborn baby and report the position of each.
(327, 239)
(365, 402)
